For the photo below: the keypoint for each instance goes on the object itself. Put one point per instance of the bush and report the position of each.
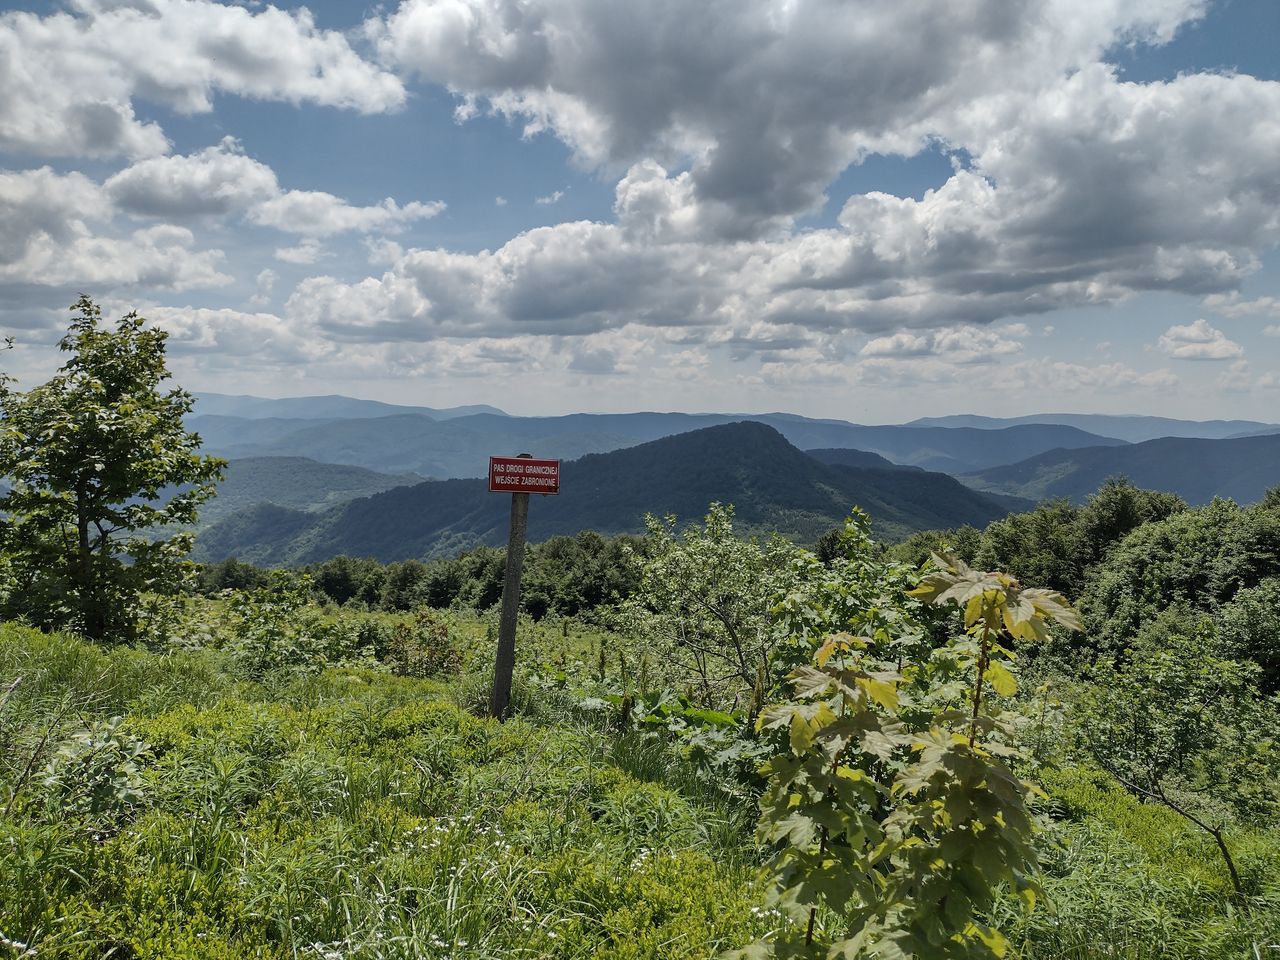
(423, 647)
(96, 773)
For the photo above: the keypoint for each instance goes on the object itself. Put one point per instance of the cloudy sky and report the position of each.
(866, 209)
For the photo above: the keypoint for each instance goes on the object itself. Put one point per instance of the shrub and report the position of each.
(423, 647)
(96, 773)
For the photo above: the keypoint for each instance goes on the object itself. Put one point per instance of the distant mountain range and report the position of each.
(1198, 470)
(315, 476)
(328, 407)
(460, 446)
(1129, 429)
(772, 484)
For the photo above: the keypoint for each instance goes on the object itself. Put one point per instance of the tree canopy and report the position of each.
(99, 466)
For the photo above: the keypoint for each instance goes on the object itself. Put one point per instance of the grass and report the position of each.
(348, 813)
(355, 814)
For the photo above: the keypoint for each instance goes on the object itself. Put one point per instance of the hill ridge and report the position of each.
(1195, 468)
(772, 484)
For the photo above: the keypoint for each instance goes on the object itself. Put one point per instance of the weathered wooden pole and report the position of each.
(505, 661)
(518, 476)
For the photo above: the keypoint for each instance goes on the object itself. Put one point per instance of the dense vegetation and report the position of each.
(719, 744)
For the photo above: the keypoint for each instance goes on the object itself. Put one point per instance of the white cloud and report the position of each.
(1236, 378)
(550, 198)
(64, 230)
(1102, 191)
(55, 232)
(1232, 305)
(499, 201)
(898, 345)
(214, 182)
(317, 214)
(70, 79)
(264, 283)
(574, 278)
(307, 252)
(1070, 378)
(234, 334)
(1273, 330)
(767, 99)
(963, 344)
(1199, 341)
(220, 181)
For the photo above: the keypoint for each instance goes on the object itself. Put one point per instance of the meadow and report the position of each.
(275, 781)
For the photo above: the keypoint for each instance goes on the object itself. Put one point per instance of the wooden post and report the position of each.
(504, 663)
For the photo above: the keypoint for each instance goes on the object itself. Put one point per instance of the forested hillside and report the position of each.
(1130, 429)
(296, 483)
(773, 485)
(1196, 470)
(330, 407)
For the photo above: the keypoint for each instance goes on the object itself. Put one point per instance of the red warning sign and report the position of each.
(523, 475)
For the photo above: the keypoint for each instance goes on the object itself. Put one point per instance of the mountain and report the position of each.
(1196, 469)
(844, 457)
(461, 447)
(407, 442)
(772, 484)
(1128, 428)
(332, 406)
(949, 450)
(296, 483)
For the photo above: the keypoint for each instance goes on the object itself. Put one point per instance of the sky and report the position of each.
(866, 209)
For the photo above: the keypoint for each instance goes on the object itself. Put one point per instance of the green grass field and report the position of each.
(345, 812)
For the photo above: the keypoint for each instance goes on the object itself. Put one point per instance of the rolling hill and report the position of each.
(329, 407)
(772, 484)
(460, 447)
(296, 483)
(1128, 428)
(1198, 470)
(845, 457)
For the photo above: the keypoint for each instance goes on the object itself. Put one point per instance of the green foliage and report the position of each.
(96, 773)
(1248, 628)
(88, 456)
(344, 579)
(1041, 546)
(1198, 558)
(353, 813)
(919, 547)
(1114, 511)
(893, 819)
(1055, 543)
(229, 574)
(573, 575)
(563, 576)
(1178, 725)
(1126, 878)
(706, 594)
(271, 630)
(423, 647)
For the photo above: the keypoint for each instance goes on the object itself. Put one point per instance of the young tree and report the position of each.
(891, 815)
(95, 459)
(708, 595)
(1178, 724)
